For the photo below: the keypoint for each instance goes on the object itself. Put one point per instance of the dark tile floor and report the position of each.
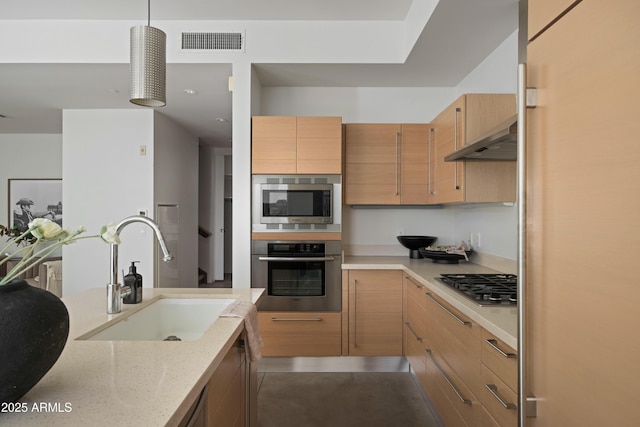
(353, 399)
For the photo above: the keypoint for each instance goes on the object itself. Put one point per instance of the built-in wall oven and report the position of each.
(297, 275)
(296, 203)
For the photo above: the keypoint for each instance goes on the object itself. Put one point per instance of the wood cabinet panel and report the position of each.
(467, 118)
(319, 127)
(502, 396)
(386, 164)
(543, 12)
(503, 360)
(319, 145)
(274, 126)
(226, 400)
(303, 145)
(414, 164)
(458, 342)
(582, 147)
(375, 313)
(300, 333)
(455, 402)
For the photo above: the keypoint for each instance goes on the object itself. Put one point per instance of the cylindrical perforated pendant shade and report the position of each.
(147, 66)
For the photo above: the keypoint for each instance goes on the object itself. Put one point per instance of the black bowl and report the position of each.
(413, 243)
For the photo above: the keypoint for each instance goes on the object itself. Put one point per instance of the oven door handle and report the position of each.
(292, 259)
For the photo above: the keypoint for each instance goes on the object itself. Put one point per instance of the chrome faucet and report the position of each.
(115, 291)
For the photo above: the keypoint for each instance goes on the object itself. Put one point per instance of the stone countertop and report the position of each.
(501, 321)
(117, 383)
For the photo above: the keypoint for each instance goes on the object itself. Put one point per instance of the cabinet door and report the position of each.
(273, 145)
(414, 164)
(448, 137)
(319, 145)
(375, 313)
(226, 399)
(372, 164)
(542, 12)
(583, 147)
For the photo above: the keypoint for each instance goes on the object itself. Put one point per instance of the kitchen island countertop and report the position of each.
(117, 383)
(500, 321)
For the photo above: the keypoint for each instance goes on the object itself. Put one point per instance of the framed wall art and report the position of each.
(34, 198)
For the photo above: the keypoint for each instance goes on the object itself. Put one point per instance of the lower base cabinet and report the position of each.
(469, 374)
(227, 395)
(229, 399)
(300, 333)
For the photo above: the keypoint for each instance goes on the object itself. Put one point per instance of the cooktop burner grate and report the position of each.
(485, 289)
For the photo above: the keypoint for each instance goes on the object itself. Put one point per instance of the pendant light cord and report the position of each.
(148, 13)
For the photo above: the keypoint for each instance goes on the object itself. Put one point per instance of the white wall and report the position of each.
(27, 156)
(106, 179)
(176, 183)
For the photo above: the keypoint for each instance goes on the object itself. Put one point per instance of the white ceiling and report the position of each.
(457, 37)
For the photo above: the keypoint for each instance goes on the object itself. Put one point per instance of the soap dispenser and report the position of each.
(134, 281)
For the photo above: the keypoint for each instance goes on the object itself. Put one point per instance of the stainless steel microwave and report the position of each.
(296, 202)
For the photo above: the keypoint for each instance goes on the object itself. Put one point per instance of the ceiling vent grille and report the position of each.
(219, 42)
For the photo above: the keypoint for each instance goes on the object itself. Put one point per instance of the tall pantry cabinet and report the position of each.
(583, 199)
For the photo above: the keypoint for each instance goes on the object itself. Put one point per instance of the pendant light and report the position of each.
(147, 65)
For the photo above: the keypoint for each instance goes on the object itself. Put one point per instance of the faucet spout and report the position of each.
(115, 292)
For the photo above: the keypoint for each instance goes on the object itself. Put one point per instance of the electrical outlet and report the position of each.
(479, 240)
(143, 150)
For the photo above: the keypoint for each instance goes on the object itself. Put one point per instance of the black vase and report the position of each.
(34, 326)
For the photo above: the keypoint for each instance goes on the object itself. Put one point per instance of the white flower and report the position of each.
(43, 228)
(40, 240)
(109, 235)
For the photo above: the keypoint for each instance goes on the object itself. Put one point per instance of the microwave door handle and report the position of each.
(291, 259)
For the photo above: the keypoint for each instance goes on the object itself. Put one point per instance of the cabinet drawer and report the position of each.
(456, 338)
(416, 316)
(500, 358)
(498, 399)
(300, 333)
(456, 404)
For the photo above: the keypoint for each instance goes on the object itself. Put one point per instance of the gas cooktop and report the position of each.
(485, 289)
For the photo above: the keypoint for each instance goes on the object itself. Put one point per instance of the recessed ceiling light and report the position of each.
(220, 119)
(113, 91)
(190, 92)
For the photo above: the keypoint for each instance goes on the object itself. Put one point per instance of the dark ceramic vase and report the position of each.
(34, 326)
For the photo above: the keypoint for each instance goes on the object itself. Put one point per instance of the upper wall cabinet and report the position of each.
(466, 119)
(386, 164)
(296, 145)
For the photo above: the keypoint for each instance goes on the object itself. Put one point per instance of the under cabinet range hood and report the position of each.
(498, 144)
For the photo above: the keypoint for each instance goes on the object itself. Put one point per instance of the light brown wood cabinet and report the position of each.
(543, 12)
(415, 326)
(300, 333)
(296, 145)
(499, 381)
(386, 164)
(468, 373)
(466, 119)
(582, 145)
(227, 400)
(453, 366)
(374, 312)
